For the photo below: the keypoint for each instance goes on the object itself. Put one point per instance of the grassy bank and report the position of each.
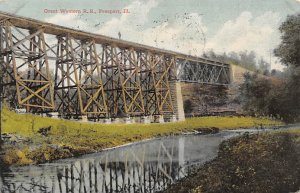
(267, 163)
(70, 138)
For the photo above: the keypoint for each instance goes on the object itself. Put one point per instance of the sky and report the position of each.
(187, 26)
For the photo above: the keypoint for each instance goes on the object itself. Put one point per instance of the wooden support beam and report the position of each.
(94, 75)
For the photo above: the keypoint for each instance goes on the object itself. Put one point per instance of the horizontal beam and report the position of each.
(202, 82)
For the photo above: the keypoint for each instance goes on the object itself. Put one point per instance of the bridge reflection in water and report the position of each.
(145, 167)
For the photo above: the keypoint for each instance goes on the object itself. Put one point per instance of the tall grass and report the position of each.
(79, 133)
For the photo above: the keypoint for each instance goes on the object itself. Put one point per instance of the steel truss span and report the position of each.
(202, 72)
(74, 73)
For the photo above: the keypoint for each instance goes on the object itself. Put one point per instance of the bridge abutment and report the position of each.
(158, 119)
(146, 119)
(116, 120)
(84, 118)
(107, 121)
(177, 102)
(129, 120)
(173, 118)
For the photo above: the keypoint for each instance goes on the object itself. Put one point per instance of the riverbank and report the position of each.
(33, 139)
(268, 162)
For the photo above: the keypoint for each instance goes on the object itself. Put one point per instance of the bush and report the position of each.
(271, 97)
(188, 106)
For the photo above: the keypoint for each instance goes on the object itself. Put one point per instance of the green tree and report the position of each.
(255, 95)
(279, 98)
(289, 53)
(289, 49)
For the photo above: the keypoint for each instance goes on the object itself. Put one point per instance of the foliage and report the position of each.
(15, 156)
(269, 97)
(289, 99)
(265, 98)
(188, 106)
(245, 59)
(255, 95)
(289, 53)
(289, 49)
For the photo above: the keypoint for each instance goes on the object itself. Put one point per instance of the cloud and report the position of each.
(68, 20)
(246, 32)
(184, 33)
(129, 23)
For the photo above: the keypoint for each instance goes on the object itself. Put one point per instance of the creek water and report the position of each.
(147, 166)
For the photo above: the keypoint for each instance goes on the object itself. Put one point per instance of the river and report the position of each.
(143, 167)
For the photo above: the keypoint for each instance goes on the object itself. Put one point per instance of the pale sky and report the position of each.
(187, 26)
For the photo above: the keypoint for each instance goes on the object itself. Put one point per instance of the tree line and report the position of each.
(278, 97)
(246, 59)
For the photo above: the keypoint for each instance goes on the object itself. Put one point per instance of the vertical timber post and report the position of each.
(1, 98)
(1, 82)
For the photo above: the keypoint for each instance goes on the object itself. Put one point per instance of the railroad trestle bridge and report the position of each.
(75, 74)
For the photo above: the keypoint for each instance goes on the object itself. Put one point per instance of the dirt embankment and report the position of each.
(267, 163)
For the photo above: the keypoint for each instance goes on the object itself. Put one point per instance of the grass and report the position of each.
(294, 131)
(79, 138)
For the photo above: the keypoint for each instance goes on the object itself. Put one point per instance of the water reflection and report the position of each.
(144, 167)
